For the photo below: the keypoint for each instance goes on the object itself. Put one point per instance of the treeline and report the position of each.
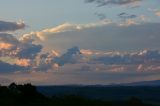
(27, 95)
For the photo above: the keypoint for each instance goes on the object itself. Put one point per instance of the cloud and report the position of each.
(71, 56)
(11, 46)
(157, 13)
(93, 66)
(128, 22)
(5, 46)
(107, 2)
(103, 60)
(8, 68)
(22, 52)
(66, 27)
(28, 51)
(126, 35)
(81, 74)
(11, 26)
(45, 61)
(124, 15)
(140, 57)
(143, 61)
(143, 18)
(98, 65)
(101, 16)
(23, 62)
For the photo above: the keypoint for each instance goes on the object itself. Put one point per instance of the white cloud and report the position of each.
(66, 27)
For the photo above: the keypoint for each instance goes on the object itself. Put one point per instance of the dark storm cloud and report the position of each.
(115, 2)
(11, 26)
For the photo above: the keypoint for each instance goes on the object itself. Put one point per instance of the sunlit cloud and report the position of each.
(5, 46)
(129, 22)
(23, 62)
(66, 27)
(157, 13)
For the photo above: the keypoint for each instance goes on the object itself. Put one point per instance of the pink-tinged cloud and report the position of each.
(23, 62)
(157, 13)
(5, 46)
(11, 46)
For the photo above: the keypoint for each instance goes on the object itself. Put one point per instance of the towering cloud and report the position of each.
(11, 26)
(71, 56)
(23, 51)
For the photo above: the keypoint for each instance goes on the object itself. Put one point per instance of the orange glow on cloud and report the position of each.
(5, 46)
(87, 52)
(158, 13)
(55, 65)
(23, 62)
(55, 53)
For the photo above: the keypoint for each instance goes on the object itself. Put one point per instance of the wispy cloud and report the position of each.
(101, 16)
(66, 27)
(124, 15)
(115, 2)
(128, 22)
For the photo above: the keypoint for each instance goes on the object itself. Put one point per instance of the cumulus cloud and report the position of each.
(103, 60)
(11, 46)
(11, 26)
(91, 65)
(46, 61)
(22, 51)
(71, 56)
(145, 60)
(126, 35)
(23, 62)
(140, 57)
(115, 2)
(82, 74)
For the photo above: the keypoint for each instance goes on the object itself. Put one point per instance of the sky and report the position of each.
(55, 42)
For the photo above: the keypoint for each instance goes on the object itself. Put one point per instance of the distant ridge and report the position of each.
(143, 83)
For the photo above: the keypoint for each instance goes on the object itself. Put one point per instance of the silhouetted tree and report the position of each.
(133, 101)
